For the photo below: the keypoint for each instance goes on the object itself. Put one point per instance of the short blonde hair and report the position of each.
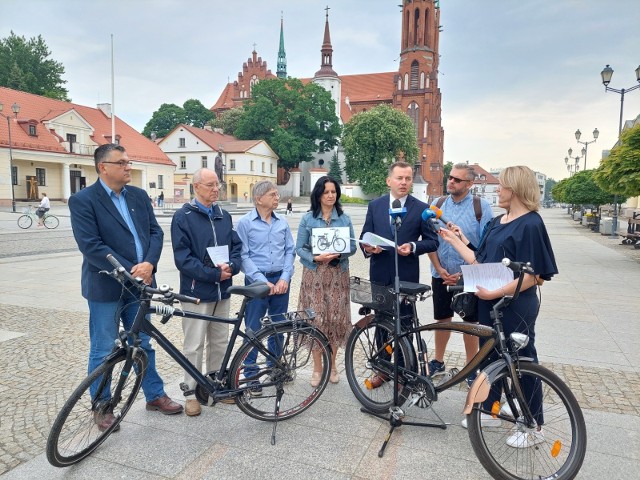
(522, 181)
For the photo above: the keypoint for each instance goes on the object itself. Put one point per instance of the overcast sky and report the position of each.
(518, 77)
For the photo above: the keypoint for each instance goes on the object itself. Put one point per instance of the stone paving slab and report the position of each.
(587, 333)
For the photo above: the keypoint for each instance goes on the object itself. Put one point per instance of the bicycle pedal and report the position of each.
(185, 389)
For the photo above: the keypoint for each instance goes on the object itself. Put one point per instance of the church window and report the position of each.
(399, 83)
(426, 128)
(426, 28)
(414, 114)
(421, 80)
(414, 75)
(416, 27)
(406, 81)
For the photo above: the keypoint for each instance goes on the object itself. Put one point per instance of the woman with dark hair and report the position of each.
(325, 277)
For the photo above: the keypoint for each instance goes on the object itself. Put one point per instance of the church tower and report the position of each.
(416, 90)
(281, 71)
(326, 77)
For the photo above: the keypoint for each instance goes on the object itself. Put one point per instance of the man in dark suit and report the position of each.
(108, 218)
(415, 237)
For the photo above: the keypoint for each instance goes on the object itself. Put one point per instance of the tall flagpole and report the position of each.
(113, 100)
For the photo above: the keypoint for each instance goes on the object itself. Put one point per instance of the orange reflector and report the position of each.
(389, 349)
(495, 409)
(555, 450)
(367, 383)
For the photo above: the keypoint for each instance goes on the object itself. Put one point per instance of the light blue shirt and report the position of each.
(266, 247)
(462, 214)
(120, 201)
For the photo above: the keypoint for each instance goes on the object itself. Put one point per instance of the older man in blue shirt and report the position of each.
(268, 252)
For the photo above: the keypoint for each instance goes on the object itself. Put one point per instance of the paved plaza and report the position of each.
(588, 333)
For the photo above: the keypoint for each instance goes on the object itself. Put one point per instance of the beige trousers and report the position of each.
(202, 338)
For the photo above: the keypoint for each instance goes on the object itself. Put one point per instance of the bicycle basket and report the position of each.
(26, 210)
(377, 297)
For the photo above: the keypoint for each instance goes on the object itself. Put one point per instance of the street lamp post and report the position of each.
(606, 74)
(572, 168)
(586, 144)
(15, 108)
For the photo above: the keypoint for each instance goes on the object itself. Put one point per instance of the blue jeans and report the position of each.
(256, 309)
(103, 331)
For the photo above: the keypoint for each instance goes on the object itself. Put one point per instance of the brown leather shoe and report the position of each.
(375, 380)
(104, 421)
(165, 405)
(192, 408)
(228, 401)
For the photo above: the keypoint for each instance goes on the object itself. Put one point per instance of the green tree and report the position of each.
(164, 120)
(581, 189)
(335, 171)
(558, 191)
(296, 120)
(446, 171)
(620, 171)
(548, 187)
(25, 66)
(228, 120)
(196, 114)
(373, 140)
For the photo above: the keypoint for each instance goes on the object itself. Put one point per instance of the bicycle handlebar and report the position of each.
(168, 296)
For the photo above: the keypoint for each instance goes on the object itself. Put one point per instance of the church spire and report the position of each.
(326, 65)
(281, 71)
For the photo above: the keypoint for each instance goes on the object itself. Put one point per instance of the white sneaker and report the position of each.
(505, 410)
(521, 439)
(485, 421)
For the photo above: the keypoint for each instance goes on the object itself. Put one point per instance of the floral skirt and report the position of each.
(326, 291)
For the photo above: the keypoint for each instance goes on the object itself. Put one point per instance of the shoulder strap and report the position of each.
(440, 201)
(477, 208)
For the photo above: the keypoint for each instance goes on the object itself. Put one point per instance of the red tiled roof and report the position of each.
(226, 98)
(214, 140)
(481, 171)
(41, 109)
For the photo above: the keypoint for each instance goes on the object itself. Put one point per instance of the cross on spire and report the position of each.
(327, 10)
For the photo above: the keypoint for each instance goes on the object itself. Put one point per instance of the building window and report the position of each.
(415, 74)
(32, 130)
(232, 164)
(262, 167)
(204, 161)
(414, 114)
(71, 138)
(160, 181)
(271, 168)
(183, 142)
(183, 163)
(41, 175)
(14, 175)
(406, 81)
(251, 165)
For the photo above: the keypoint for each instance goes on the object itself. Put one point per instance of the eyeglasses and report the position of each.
(121, 163)
(456, 179)
(209, 185)
(272, 194)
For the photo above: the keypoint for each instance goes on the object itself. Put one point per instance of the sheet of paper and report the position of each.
(330, 240)
(374, 240)
(491, 276)
(219, 254)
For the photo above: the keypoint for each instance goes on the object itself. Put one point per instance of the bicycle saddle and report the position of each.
(255, 290)
(411, 288)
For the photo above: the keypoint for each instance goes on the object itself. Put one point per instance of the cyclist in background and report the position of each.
(43, 208)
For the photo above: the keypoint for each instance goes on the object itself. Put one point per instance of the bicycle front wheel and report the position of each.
(339, 244)
(76, 431)
(290, 377)
(511, 451)
(51, 221)
(369, 365)
(25, 221)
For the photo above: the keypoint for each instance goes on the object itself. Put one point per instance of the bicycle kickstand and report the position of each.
(276, 411)
(395, 420)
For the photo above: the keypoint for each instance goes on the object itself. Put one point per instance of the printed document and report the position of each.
(491, 276)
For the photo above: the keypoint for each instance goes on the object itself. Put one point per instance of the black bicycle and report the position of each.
(276, 386)
(512, 441)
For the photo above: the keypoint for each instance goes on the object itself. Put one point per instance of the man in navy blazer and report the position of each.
(415, 237)
(108, 218)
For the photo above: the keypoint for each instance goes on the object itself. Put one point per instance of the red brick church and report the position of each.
(412, 89)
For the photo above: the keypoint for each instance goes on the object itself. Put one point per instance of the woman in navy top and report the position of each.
(521, 236)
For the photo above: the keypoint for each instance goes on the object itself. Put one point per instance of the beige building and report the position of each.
(47, 145)
(239, 163)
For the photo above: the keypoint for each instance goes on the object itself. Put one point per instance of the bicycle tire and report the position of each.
(25, 221)
(51, 222)
(339, 244)
(293, 375)
(74, 433)
(561, 450)
(323, 244)
(362, 360)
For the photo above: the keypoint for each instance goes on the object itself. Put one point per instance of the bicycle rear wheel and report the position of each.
(292, 373)
(339, 244)
(75, 432)
(51, 221)
(25, 221)
(555, 452)
(369, 353)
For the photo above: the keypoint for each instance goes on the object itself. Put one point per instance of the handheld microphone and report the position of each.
(517, 266)
(397, 212)
(439, 214)
(428, 214)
